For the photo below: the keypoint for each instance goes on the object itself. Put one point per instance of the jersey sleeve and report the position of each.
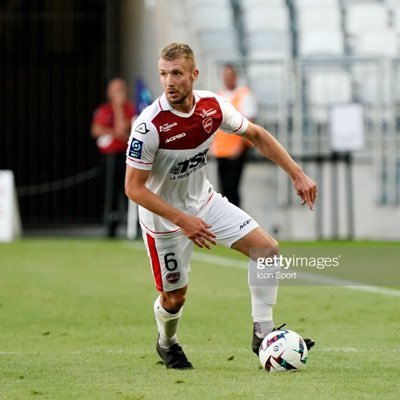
(232, 120)
(142, 145)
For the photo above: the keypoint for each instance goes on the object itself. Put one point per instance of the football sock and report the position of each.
(263, 299)
(167, 324)
(263, 328)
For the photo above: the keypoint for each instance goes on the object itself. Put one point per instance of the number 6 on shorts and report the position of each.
(170, 260)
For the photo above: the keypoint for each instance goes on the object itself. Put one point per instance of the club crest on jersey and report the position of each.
(142, 128)
(208, 124)
(135, 149)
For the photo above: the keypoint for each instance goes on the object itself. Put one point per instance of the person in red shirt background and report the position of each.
(111, 127)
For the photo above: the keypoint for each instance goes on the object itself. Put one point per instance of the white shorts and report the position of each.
(170, 253)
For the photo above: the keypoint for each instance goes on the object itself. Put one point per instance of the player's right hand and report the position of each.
(198, 231)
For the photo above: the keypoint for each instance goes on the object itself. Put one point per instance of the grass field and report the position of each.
(76, 322)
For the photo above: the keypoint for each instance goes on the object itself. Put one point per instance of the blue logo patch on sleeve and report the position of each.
(135, 150)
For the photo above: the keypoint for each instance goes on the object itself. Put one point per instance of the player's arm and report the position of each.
(193, 227)
(273, 150)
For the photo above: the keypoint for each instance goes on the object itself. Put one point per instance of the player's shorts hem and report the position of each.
(230, 243)
(144, 227)
(229, 222)
(171, 289)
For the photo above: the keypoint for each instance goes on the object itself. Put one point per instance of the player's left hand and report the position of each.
(306, 188)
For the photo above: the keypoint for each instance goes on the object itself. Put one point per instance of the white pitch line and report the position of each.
(315, 278)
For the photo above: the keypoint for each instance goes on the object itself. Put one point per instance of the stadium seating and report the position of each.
(267, 30)
(269, 83)
(366, 16)
(319, 18)
(321, 43)
(219, 45)
(379, 43)
(319, 28)
(251, 4)
(212, 18)
(329, 87)
(268, 44)
(326, 88)
(214, 27)
(396, 18)
(392, 4)
(193, 4)
(303, 4)
(257, 19)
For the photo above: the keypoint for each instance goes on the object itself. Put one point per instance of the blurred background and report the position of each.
(315, 66)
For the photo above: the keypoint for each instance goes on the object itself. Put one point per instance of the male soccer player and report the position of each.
(178, 208)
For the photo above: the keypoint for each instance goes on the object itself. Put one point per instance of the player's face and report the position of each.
(177, 78)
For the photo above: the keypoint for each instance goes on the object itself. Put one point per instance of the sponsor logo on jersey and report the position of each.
(173, 277)
(167, 127)
(245, 223)
(142, 128)
(187, 167)
(135, 149)
(208, 124)
(176, 137)
(208, 113)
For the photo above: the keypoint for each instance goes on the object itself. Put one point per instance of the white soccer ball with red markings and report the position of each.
(283, 350)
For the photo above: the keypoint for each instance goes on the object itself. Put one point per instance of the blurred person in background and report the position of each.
(230, 150)
(111, 127)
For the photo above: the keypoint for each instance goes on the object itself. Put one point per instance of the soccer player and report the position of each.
(178, 207)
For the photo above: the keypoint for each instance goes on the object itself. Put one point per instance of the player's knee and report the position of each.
(273, 246)
(269, 248)
(172, 301)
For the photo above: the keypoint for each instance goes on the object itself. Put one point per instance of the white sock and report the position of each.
(167, 324)
(263, 299)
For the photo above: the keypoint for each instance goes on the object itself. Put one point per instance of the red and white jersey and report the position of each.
(174, 146)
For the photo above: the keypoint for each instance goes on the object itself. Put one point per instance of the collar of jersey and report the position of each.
(165, 106)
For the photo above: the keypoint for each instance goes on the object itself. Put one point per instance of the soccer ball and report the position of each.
(283, 350)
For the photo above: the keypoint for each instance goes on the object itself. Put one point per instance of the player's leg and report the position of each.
(234, 228)
(169, 258)
(168, 311)
(263, 296)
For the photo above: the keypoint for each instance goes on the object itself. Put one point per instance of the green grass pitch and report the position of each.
(76, 322)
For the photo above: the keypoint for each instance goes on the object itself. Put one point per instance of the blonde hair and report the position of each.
(176, 50)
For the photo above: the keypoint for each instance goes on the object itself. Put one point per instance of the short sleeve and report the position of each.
(232, 120)
(142, 145)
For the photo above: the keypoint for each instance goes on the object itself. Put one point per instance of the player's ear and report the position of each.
(195, 74)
